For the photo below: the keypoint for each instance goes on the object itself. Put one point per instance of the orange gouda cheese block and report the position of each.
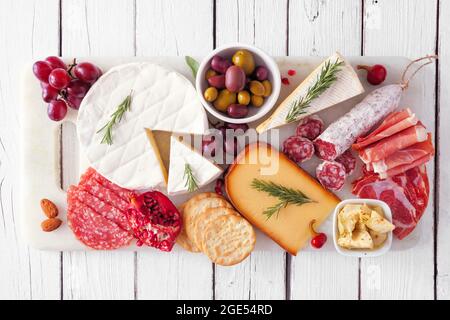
(290, 228)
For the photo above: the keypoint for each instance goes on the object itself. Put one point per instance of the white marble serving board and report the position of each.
(41, 150)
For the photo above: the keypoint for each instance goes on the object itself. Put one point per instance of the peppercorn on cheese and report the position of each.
(289, 226)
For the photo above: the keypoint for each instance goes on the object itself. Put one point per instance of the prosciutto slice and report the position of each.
(406, 194)
(403, 159)
(394, 122)
(392, 144)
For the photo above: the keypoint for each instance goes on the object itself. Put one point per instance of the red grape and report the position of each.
(56, 62)
(86, 72)
(77, 88)
(59, 78)
(42, 70)
(74, 102)
(48, 92)
(57, 110)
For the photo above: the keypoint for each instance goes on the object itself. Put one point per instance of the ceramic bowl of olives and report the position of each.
(238, 83)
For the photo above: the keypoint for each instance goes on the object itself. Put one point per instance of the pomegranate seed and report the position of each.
(285, 81)
(219, 187)
(292, 72)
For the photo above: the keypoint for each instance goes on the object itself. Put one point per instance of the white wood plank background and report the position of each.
(177, 27)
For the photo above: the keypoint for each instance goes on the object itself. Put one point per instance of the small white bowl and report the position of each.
(261, 59)
(362, 253)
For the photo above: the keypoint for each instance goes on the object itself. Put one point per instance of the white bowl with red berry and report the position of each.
(238, 83)
(64, 85)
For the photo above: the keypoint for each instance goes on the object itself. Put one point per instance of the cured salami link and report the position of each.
(298, 149)
(94, 230)
(341, 134)
(348, 160)
(310, 127)
(331, 175)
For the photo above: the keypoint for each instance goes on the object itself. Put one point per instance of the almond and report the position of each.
(49, 208)
(51, 224)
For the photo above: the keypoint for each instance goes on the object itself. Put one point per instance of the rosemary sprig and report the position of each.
(193, 64)
(325, 79)
(191, 181)
(286, 196)
(116, 117)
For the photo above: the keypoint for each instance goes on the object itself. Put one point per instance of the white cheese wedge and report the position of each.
(345, 87)
(162, 100)
(203, 170)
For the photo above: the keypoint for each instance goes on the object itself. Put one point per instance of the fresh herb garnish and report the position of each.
(193, 64)
(325, 79)
(191, 182)
(116, 117)
(286, 196)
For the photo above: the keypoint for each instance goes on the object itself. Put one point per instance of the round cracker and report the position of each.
(182, 238)
(203, 219)
(199, 204)
(228, 240)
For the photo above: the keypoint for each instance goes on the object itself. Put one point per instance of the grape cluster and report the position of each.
(64, 86)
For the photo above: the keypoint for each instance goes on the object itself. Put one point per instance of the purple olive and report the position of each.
(235, 79)
(237, 110)
(220, 64)
(209, 146)
(261, 73)
(237, 126)
(217, 82)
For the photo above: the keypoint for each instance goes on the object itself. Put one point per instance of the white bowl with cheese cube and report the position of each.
(362, 228)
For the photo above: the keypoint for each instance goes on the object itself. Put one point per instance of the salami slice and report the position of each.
(348, 160)
(107, 211)
(298, 149)
(310, 127)
(331, 175)
(94, 230)
(110, 197)
(342, 133)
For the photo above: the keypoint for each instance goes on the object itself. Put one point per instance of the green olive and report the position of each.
(243, 97)
(210, 94)
(257, 101)
(244, 59)
(267, 88)
(224, 99)
(256, 88)
(210, 73)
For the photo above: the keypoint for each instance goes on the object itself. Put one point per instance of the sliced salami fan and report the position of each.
(331, 175)
(348, 160)
(94, 230)
(96, 213)
(298, 149)
(310, 127)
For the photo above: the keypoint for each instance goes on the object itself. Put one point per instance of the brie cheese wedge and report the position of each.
(181, 155)
(346, 86)
(162, 100)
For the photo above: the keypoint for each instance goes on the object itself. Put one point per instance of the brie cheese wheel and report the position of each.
(203, 170)
(346, 86)
(162, 100)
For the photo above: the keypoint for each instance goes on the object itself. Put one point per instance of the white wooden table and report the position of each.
(31, 29)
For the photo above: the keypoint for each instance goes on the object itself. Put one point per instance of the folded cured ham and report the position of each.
(406, 194)
(394, 122)
(404, 159)
(387, 146)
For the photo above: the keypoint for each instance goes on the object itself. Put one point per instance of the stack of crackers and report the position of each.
(212, 226)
